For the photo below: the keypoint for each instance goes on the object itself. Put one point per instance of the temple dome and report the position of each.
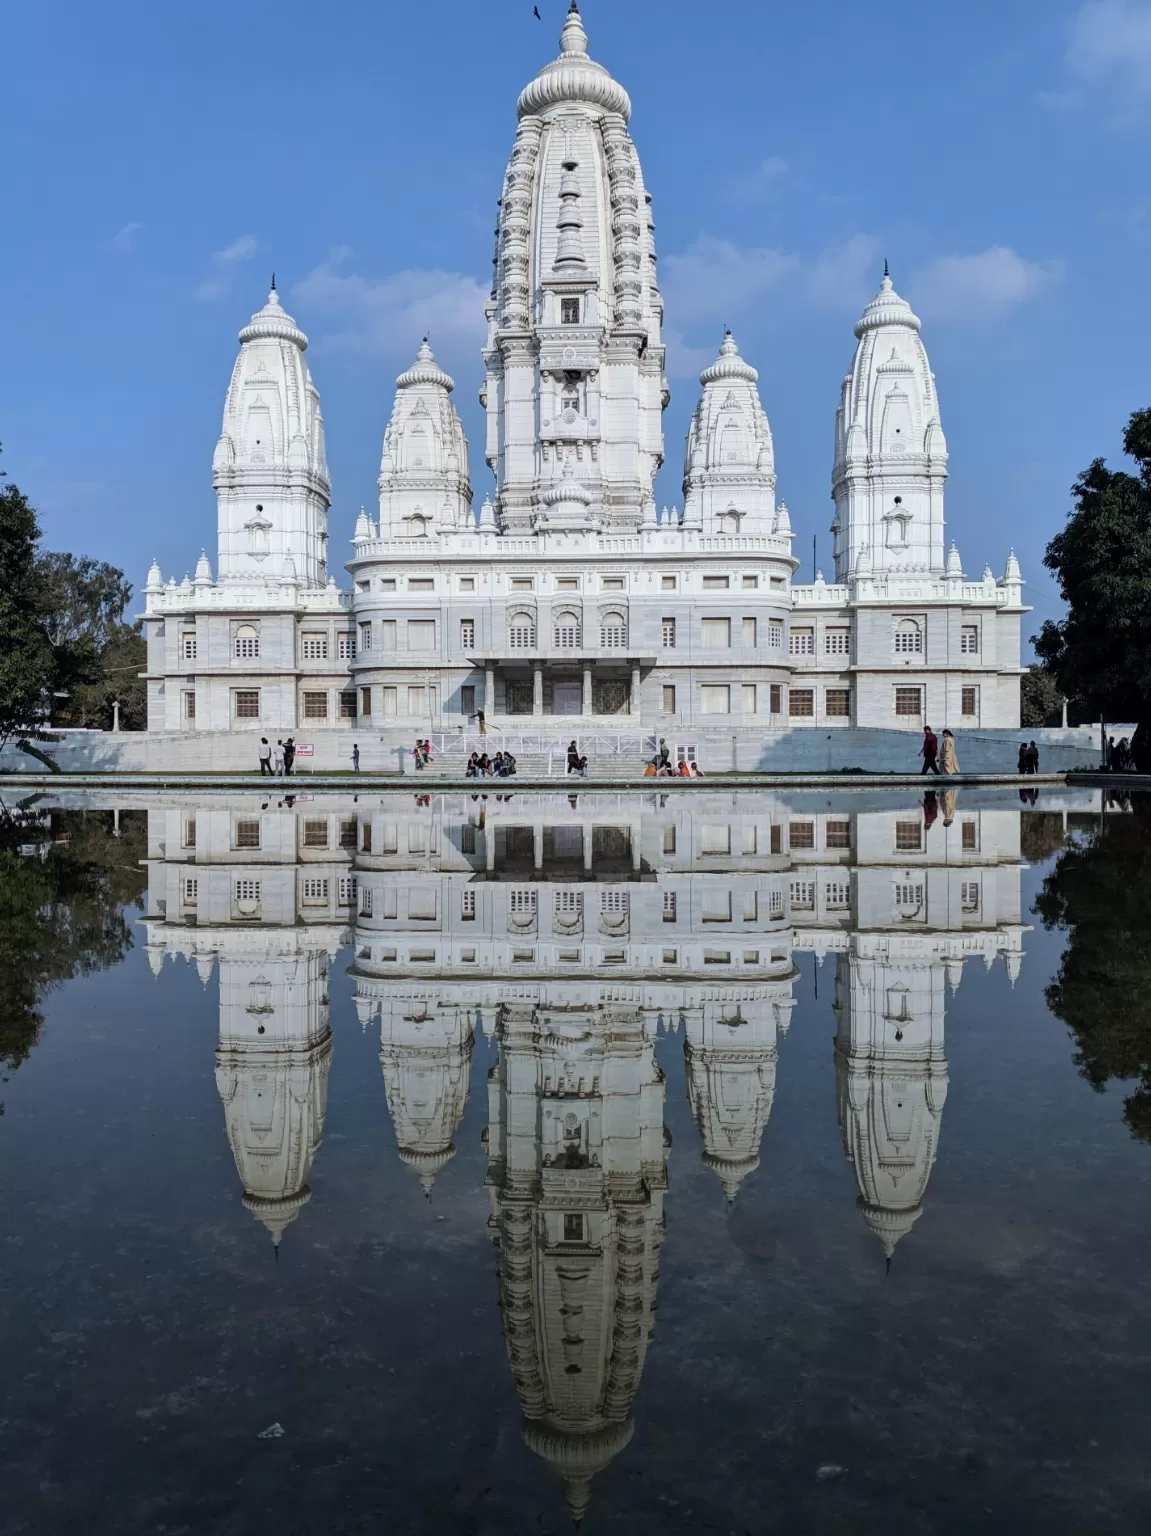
(573, 77)
(886, 308)
(728, 365)
(425, 370)
(273, 321)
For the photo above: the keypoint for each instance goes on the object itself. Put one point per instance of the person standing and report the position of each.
(1032, 758)
(948, 757)
(929, 751)
(664, 756)
(265, 757)
(289, 755)
(278, 759)
(1021, 766)
(355, 757)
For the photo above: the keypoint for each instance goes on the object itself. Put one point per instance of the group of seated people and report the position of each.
(662, 769)
(481, 766)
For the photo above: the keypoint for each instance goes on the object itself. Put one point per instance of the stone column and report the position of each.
(537, 690)
(587, 847)
(489, 691)
(537, 846)
(490, 848)
(633, 705)
(636, 847)
(587, 707)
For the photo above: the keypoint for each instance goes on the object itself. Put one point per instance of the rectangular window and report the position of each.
(909, 902)
(388, 633)
(749, 581)
(467, 634)
(314, 891)
(749, 692)
(715, 699)
(750, 839)
(716, 583)
(468, 905)
(366, 837)
(908, 836)
(838, 834)
(316, 833)
(838, 703)
(348, 832)
(347, 891)
(189, 705)
(970, 837)
(365, 637)
(669, 905)
(365, 701)
(802, 642)
(775, 634)
(969, 895)
(716, 634)
(189, 647)
(522, 583)
(573, 1225)
(907, 703)
(776, 838)
(667, 634)
(613, 584)
(468, 699)
(467, 583)
(802, 895)
(669, 839)
(567, 583)
(391, 702)
(907, 638)
(346, 647)
(387, 583)
(315, 647)
(715, 906)
(969, 640)
(750, 907)
(715, 840)
(315, 706)
(247, 642)
(416, 699)
(748, 633)
(421, 584)
(667, 583)
(348, 704)
(468, 838)
(569, 311)
(802, 834)
(801, 703)
(423, 906)
(837, 641)
(246, 893)
(366, 901)
(247, 703)
(669, 698)
(776, 699)
(191, 890)
(421, 634)
(246, 834)
(189, 832)
(717, 957)
(837, 895)
(970, 701)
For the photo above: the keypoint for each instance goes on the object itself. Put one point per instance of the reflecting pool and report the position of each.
(693, 1161)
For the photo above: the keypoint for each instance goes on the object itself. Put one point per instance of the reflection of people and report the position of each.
(929, 750)
(948, 799)
(948, 758)
(930, 810)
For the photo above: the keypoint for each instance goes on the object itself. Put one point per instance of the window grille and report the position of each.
(315, 706)
(907, 702)
(801, 703)
(836, 642)
(315, 647)
(908, 836)
(908, 638)
(247, 642)
(667, 634)
(802, 642)
(315, 834)
(315, 891)
(247, 703)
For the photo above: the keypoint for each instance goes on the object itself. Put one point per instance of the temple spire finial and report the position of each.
(273, 282)
(886, 271)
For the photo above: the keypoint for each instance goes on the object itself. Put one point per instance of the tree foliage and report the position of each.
(1099, 891)
(1040, 701)
(122, 660)
(65, 882)
(25, 652)
(1101, 651)
(83, 602)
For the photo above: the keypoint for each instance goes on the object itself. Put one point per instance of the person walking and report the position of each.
(948, 758)
(573, 757)
(265, 755)
(1032, 759)
(1021, 766)
(278, 759)
(355, 757)
(289, 755)
(929, 751)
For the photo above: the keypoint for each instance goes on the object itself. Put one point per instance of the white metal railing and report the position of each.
(595, 745)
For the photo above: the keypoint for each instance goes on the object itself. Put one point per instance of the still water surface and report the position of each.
(691, 1162)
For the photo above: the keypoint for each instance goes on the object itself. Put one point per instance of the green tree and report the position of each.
(25, 652)
(95, 654)
(1100, 652)
(122, 660)
(1040, 701)
(65, 881)
(1099, 892)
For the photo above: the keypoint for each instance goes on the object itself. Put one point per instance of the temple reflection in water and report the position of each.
(571, 931)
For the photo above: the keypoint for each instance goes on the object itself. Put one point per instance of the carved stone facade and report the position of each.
(569, 594)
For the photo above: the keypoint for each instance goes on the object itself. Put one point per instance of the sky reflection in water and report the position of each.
(625, 1042)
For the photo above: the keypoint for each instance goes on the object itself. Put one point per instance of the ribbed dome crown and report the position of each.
(574, 77)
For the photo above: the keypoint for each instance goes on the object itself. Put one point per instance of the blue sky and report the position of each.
(161, 160)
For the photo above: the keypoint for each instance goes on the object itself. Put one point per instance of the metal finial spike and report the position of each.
(273, 282)
(886, 273)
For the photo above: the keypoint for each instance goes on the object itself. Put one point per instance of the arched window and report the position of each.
(247, 644)
(568, 632)
(908, 638)
(613, 632)
(522, 631)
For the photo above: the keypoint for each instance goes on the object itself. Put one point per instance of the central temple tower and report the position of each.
(575, 387)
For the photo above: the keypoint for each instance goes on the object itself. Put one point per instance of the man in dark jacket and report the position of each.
(929, 751)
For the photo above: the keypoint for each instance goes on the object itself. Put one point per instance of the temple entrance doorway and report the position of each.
(567, 697)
